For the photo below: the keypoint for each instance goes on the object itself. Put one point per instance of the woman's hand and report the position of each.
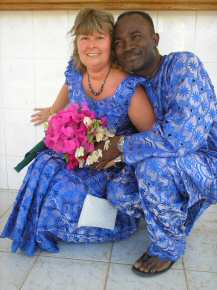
(41, 115)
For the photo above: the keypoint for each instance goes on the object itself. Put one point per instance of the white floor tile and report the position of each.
(201, 252)
(59, 274)
(202, 280)
(208, 220)
(96, 252)
(121, 277)
(5, 244)
(14, 269)
(6, 200)
(128, 251)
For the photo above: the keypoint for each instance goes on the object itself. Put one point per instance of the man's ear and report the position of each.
(156, 39)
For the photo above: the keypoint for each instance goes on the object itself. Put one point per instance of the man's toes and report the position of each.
(150, 262)
(158, 267)
(144, 268)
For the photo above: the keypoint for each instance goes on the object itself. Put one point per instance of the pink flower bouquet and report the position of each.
(74, 132)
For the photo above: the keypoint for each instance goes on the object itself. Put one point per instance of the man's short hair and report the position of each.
(145, 15)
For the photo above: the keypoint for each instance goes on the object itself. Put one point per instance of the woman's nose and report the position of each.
(91, 43)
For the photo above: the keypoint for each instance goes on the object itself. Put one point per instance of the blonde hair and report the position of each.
(87, 22)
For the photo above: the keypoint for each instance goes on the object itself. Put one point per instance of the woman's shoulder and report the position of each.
(119, 75)
(71, 72)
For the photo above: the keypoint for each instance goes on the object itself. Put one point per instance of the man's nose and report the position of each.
(128, 44)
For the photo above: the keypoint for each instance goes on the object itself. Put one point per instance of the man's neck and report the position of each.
(153, 69)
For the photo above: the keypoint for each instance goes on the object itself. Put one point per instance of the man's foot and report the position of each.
(149, 266)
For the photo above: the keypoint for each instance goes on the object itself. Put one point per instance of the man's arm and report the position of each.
(187, 121)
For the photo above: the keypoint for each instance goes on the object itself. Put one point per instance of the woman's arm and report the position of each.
(43, 114)
(140, 111)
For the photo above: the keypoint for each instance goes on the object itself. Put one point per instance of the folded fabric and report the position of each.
(30, 155)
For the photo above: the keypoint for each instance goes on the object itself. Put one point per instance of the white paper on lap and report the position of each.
(97, 212)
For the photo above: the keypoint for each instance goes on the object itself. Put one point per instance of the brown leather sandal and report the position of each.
(144, 258)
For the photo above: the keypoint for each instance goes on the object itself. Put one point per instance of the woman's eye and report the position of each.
(84, 38)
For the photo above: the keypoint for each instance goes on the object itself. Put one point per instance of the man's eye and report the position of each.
(136, 36)
(117, 43)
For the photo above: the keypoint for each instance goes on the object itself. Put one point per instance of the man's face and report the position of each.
(135, 44)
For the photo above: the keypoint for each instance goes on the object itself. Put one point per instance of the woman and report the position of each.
(51, 197)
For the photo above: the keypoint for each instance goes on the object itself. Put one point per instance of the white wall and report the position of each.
(34, 49)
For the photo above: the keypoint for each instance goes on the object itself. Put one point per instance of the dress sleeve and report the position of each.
(189, 113)
(128, 89)
(70, 72)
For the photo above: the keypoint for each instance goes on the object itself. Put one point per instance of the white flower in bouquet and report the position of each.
(79, 152)
(100, 133)
(87, 121)
(107, 134)
(81, 163)
(106, 145)
(94, 157)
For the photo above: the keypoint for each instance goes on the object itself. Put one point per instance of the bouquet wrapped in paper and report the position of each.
(74, 132)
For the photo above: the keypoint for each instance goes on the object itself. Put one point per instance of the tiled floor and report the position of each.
(108, 266)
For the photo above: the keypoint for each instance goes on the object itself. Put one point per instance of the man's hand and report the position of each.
(107, 155)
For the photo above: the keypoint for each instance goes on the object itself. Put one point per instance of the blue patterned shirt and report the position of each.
(185, 105)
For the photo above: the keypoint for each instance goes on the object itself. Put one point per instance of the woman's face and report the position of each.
(94, 49)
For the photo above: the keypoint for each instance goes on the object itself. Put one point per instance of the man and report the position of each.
(175, 162)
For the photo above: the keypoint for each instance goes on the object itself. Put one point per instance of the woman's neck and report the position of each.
(98, 74)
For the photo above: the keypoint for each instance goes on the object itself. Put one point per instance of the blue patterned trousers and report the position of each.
(173, 192)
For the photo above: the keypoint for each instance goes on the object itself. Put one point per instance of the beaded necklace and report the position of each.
(97, 93)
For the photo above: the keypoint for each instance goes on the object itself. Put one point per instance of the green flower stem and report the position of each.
(30, 155)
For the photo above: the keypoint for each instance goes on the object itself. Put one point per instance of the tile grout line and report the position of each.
(185, 274)
(108, 269)
(101, 261)
(27, 274)
(106, 262)
(10, 206)
(74, 259)
(5, 212)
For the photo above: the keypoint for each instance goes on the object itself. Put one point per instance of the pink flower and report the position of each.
(72, 162)
(67, 132)
(104, 121)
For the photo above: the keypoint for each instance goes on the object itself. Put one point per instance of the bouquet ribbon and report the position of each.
(30, 155)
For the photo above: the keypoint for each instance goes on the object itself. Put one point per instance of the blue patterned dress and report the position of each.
(175, 162)
(50, 200)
